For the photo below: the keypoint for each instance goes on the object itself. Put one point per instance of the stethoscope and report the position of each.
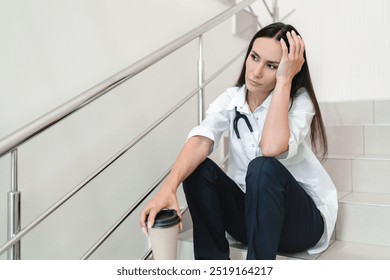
(235, 128)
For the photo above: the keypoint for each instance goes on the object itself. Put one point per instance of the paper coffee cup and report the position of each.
(164, 235)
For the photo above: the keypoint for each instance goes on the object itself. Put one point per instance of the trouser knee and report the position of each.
(267, 165)
(203, 172)
(262, 174)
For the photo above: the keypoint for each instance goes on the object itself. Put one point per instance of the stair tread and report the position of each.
(366, 199)
(359, 125)
(345, 250)
(359, 156)
(342, 194)
(338, 250)
(237, 249)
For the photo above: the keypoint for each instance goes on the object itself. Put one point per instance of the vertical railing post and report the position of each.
(276, 11)
(14, 208)
(200, 81)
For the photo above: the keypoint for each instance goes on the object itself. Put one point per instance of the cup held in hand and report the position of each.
(164, 235)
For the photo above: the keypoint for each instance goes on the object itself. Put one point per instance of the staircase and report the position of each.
(359, 164)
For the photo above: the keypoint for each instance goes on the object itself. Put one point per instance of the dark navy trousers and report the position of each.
(275, 214)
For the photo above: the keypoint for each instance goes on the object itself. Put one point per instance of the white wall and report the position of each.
(348, 44)
(54, 50)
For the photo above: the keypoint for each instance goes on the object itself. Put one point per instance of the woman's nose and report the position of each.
(258, 71)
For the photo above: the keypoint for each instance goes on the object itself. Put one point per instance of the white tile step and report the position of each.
(360, 173)
(345, 139)
(366, 199)
(342, 250)
(358, 156)
(367, 139)
(237, 250)
(364, 218)
(356, 112)
(377, 139)
(338, 250)
(348, 113)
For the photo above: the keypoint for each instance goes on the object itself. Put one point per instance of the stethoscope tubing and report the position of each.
(235, 123)
(236, 131)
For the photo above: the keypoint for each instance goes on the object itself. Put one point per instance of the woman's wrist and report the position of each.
(283, 86)
(284, 81)
(169, 187)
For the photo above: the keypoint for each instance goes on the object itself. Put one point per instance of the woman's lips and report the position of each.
(254, 83)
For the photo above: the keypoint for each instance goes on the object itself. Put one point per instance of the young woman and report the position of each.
(276, 196)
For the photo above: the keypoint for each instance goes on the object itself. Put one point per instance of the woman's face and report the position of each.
(262, 64)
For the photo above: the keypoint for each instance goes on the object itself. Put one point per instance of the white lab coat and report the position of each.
(299, 159)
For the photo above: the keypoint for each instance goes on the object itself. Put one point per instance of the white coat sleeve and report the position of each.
(300, 117)
(215, 122)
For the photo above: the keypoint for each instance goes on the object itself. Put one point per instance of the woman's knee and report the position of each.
(264, 165)
(203, 171)
(262, 173)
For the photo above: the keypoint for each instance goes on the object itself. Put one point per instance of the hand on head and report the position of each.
(292, 60)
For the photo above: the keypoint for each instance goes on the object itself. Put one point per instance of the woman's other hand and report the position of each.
(193, 153)
(165, 199)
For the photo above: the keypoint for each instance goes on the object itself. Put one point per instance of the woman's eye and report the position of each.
(254, 57)
(271, 66)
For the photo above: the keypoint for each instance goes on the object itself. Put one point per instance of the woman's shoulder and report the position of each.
(227, 96)
(302, 100)
(231, 92)
(302, 94)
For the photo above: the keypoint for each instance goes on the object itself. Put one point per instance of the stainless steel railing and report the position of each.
(108, 163)
(29, 131)
(10, 143)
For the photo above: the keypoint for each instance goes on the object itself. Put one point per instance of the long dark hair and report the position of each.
(278, 31)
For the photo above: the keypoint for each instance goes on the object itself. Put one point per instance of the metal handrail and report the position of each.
(11, 142)
(149, 252)
(124, 216)
(104, 166)
(29, 131)
(94, 174)
(121, 220)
